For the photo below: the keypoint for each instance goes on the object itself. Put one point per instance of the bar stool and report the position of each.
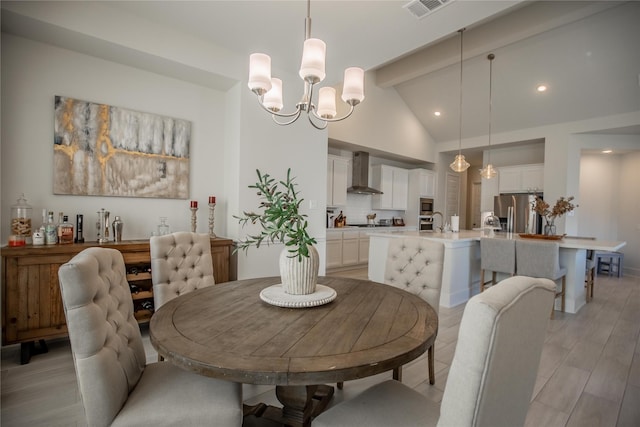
(590, 274)
(542, 259)
(498, 256)
(610, 260)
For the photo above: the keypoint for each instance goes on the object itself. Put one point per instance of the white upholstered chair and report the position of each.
(492, 375)
(180, 263)
(415, 265)
(542, 259)
(116, 385)
(497, 255)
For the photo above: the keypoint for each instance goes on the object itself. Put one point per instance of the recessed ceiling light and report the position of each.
(541, 88)
(437, 113)
(607, 151)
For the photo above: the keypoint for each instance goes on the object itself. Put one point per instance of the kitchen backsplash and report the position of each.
(359, 206)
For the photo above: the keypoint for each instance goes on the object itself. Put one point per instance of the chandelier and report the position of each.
(459, 164)
(312, 71)
(489, 171)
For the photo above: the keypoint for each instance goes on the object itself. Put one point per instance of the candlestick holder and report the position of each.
(194, 209)
(212, 207)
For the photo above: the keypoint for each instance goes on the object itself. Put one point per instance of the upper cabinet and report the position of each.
(337, 170)
(426, 181)
(394, 184)
(521, 178)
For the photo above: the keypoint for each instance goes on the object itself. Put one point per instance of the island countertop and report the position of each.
(460, 277)
(450, 239)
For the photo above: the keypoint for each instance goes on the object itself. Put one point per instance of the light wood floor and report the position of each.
(589, 374)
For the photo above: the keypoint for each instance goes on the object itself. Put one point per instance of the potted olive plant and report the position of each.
(281, 221)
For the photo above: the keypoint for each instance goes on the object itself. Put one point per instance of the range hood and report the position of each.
(360, 175)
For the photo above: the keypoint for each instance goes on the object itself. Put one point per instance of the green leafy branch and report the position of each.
(279, 218)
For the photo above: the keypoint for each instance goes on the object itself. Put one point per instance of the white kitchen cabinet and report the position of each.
(363, 248)
(334, 250)
(337, 170)
(350, 247)
(533, 178)
(426, 183)
(394, 184)
(521, 178)
(347, 248)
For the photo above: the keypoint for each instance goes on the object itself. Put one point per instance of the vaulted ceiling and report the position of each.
(585, 52)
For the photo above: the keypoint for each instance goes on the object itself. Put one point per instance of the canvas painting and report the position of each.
(101, 150)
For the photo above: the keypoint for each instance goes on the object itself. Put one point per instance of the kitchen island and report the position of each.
(461, 272)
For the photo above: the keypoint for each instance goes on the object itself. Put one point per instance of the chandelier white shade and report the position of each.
(313, 58)
(312, 71)
(260, 73)
(460, 164)
(273, 98)
(327, 102)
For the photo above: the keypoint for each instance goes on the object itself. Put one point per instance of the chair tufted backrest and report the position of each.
(496, 360)
(105, 337)
(180, 263)
(539, 259)
(498, 254)
(415, 265)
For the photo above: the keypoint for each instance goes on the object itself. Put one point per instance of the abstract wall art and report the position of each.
(102, 150)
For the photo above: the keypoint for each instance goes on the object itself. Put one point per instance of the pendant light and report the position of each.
(489, 171)
(459, 163)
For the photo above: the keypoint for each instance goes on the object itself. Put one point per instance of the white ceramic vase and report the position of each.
(299, 277)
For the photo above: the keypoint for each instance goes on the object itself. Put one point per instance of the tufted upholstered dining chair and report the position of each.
(416, 265)
(180, 263)
(492, 375)
(542, 259)
(497, 255)
(116, 385)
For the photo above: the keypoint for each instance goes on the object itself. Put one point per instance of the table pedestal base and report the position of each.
(300, 404)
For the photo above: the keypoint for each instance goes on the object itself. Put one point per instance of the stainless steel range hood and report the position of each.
(360, 175)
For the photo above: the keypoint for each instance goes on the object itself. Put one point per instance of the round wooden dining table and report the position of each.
(226, 331)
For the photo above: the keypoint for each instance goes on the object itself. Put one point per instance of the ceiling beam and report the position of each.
(532, 19)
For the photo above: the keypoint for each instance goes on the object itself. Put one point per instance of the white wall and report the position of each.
(610, 202)
(273, 149)
(629, 211)
(599, 194)
(384, 122)
(33, 73)
(231, 138)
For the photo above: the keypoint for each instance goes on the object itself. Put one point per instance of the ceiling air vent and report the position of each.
(421, 8)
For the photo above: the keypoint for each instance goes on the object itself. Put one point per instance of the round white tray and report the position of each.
(275, 295)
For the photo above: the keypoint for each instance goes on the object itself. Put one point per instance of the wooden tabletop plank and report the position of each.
(226, 331)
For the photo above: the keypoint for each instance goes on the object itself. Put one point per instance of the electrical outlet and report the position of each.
(313, 204)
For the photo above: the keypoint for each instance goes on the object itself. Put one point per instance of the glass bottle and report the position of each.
(39, 233)
(59, 226)
(65, 231)
(21, 218)
(163, 227)
(50, 231)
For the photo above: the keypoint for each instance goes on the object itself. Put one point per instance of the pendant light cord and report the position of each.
(460, 127)
(491, 56)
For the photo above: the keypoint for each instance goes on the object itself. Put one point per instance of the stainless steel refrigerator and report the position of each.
(516, 213)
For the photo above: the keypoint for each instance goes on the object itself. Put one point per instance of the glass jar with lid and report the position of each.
(21, 218)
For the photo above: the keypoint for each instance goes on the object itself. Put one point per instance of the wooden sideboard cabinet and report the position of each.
(32, 308)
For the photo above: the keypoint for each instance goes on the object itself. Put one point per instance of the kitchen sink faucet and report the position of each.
(441, 228)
